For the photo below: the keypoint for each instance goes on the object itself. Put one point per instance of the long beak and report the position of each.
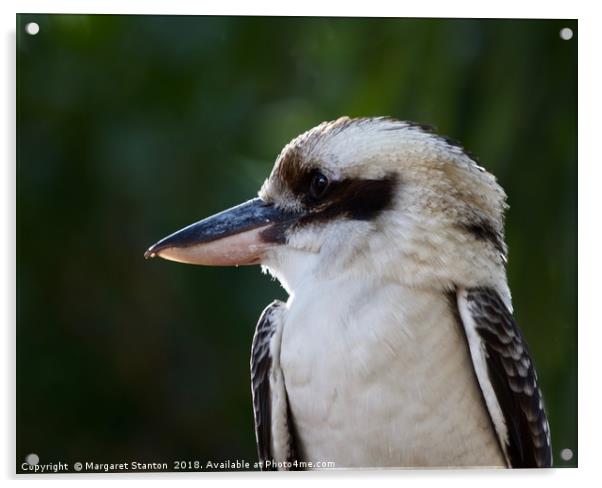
(237, 236)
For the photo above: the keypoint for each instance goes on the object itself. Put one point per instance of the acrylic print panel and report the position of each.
(132, 127)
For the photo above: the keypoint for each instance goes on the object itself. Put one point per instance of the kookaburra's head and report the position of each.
(369, 198)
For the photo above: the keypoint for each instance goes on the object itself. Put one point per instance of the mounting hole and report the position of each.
(566, 454)
(32, 459)
(32, 28)
(566, 34)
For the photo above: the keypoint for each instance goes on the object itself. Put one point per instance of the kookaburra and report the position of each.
(397, 346)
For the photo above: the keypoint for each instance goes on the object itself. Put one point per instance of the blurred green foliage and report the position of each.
(130, 127)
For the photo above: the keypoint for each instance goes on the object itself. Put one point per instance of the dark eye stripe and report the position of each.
(355, 199)
(358, 199)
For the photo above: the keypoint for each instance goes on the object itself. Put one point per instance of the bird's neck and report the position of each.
(413, 263)
(304, 273)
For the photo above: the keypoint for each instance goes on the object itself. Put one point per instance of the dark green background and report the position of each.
(130, 127)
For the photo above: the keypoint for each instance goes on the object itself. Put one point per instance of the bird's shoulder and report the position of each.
(265, 329)
(273, 423)
(506, 376)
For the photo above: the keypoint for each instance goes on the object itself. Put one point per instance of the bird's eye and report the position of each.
(319, 185)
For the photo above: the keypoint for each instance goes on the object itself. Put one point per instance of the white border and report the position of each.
(590, 244)
(373, 8)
